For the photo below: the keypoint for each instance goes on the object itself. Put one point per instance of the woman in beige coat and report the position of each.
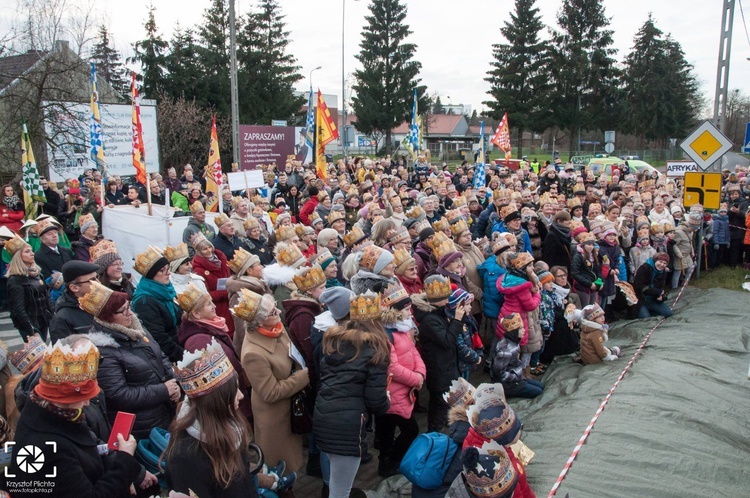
(265, 358)
(472, 257)
(247, 273)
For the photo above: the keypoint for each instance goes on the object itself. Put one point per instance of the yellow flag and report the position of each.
(213, 170)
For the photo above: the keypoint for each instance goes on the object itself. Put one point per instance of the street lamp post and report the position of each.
(319, 67)
(343, 98)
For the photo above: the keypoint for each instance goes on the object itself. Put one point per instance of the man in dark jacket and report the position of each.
(69, 318)
(197, 224)
(650, 284)
(438, 339)
(52, 204)
(556, 245)
(226, 241)
(50, 256)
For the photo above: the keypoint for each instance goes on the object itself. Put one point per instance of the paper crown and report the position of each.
(103, 248)
(437, 240)
(399, 236)
(574, 203)
(197, 239)
(441, 225)
(197, 207)
(145, 260)
(500, 194)
(284, 233)
(365, 307)
(447, 247)
(259, 199)
(324, 254)
(314, 219)
(402, 258)
(454, 215)
(394, 294)
(335, 216)
(422, 225)
(204, 370)
(47, 224)
(189, 298)
(239, 260)
(490, 472)
(248, 305)
(301, 230)
(493, 418)
(289, 255)
(309, 278)
(508, 210)
(221, 219)
(173, 253)
(62, 363)
(461, 393)
(30, 356)
(668, 227)
(592, 312)
(86, 218)
(250, 223)
(416, 212)
(459, 227)
(521, 260)
(437, 288)
(13, 244)
(511, 322)
(459, 201)
(370, 257)
(500, 245)
(93, 302)
(545, 198)
(354, 236)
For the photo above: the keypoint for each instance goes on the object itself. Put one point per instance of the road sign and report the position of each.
(702, 188)
(278, 122)
(609, 148)
(705, 145)
(677, 169)
(609, 137)
(746, 147)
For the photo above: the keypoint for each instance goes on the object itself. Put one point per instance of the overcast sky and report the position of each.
(454, 39)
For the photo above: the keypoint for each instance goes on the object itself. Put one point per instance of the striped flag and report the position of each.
(32, 187)
(213, 170)
(139, 152)
(310, 122)
(501, 138)
(479, 174)
(95, 128)
(325, 133)
(414, 127)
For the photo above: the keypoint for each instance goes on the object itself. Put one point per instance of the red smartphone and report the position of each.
(123, 425)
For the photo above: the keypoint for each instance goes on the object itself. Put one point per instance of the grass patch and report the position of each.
(723, 277)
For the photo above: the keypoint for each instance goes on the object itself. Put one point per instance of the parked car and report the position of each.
(603, 166)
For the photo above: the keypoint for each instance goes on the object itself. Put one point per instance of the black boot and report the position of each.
(313, 466)
(324, 492)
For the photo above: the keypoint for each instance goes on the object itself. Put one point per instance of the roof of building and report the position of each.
(440, 124)
(13, 66)
(474, 130)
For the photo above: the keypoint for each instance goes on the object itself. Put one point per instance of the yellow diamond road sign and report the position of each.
(705, 145)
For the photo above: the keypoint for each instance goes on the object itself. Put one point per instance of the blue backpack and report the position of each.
(428, 459)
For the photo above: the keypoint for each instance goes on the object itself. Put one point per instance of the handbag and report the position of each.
(303, 403)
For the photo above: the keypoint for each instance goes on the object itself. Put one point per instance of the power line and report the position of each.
(744, 23)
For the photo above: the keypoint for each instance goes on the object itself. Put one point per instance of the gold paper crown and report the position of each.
(284, 233)
(365, 307)
(573, 203)
(461, 393)
(402, 257)
(250, 223)
(501, 244)
(393, 294)
(202, 371)
(248, 305)
(459, 227)
(521, 260)
(13, 244)
(508, 210)
(335, 216)
(241, 256)
(198, 239)
(454, 215)
(189, 298)
(86, 218)
(545, 199)
(45, 224)
(31, 356)
(197, 207)
(399, 235)
(309, 278)
(314, 218)
(441, 225)
(437, 287)
(173, 253)
(494, 473)
(437, 240)
(301, 230)
(93, 302)
(499, 194)
(236, 200)
(416, 212)
(65, 364)
(370, 257)
(353, 236)
(447, 247)
(512, 322)
(323, 255)
(102, 248)
(258, 199)
(422, 225)
(221, 219)
(145, 260)
(459, 202)
(289, 255)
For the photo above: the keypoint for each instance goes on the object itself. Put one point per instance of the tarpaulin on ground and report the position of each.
(677, 425)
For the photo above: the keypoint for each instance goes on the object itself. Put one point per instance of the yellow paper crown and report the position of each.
(309, 278)
(248, 305)
(365, 307)
(511, 322)
(284, 233)
(189, 298)
(221, 219)
(573, 203)
(370, 257)
(441, 225)
(521, 260)
(416, 212)
(437, 287)
(197, 207)
(173, 253)
(447, 247)
(289, 255)
(198, 239)
(353, 236)
(30, 356)
(250, 223)
(86, 218)
(402, 257)
(459, 227)
(459, 202)
(393, 294)
(93, 302)
(13, 244)
(335, 216)
(241, 256)
(62, 363)
(145, 260)
(454, 215)
(437, 240)
(202, 371)
(399, 235)
(545, 199)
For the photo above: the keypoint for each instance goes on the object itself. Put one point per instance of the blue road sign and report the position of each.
(746, 147)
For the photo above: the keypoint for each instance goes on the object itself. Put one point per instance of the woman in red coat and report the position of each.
(212, 266)
(11, 210)
(520, 292)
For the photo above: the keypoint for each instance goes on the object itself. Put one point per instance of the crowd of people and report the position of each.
(312, 310)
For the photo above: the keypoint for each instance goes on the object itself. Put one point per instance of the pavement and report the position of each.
(8, 333)
(732, 159)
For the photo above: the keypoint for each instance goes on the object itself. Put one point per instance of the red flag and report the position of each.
(139, 152)
(501, 138)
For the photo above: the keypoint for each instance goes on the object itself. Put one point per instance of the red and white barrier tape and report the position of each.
(589, 428)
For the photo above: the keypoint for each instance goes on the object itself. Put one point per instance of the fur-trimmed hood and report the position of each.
(421, 302)
(101, 338)
(276, 275)
(364, 280)
(589, 327)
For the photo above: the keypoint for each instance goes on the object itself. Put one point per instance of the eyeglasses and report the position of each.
(86, 281)
(164, 270)
(125, 310)
(275, 312)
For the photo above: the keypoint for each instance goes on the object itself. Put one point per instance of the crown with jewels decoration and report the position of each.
(189, 298)
(62, 363)
(441, 225)
(204, 370)
(93, 302)
(461, 393)
(511, 322)
(365, 306)
(101, 248)
(309, 278)
(284, 233)
(393, 294)
(86, 218)
(417, 213)
(198, 239)
(46, 223)
(447, 247)
(248, 305)
(399, 235)
(197, 207)
(238, 261)
(13, 244)
(454, 215)
(353, 236)
(335, 216)
(545, 199)
(221, 219)
(145, 260)
(30, 356)
(437, 288)
(401, 256)
(438, 239)
(491, 416)
(370, 257)
(173, 253)
(289, 255)
(459, 227)
(493, 475)
(301, 230)
(459, 201)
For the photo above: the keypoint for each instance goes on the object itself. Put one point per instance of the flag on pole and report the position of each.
(213, 170)
(325, 133)
(139, 152)
(32, 187)
(479, 174)
(501, 138)
(310, 122)
(95, 128)
(414, 128)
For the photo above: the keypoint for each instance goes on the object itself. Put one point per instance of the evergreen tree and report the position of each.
(185, 79)
(583, 69)
(150, 53)
(213, 57)
(437, 107)
(267, 71)
(109, 64)
(518, 79)
(385, 85)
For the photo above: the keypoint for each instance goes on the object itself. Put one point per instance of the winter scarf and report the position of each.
(74, 415)
(217, 322)
(10, 201)
(562, 230)
(273, 332)
(165, 294)
(134, 332)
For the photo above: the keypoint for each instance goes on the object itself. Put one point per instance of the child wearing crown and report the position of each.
(507, 367)
(594, 335)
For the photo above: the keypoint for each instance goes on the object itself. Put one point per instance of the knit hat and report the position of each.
(337, 196)
(449, 258)
(488, 471)
(425, 232)
(87, 221)
(324, 258)
(578, 231)
(661, 256)
(337, 300)
(592, 312)
(457, 296)
(545, 277)
(29, 358)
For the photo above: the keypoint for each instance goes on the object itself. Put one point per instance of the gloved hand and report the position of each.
(598, 282)
(716, 247)
(615, 351)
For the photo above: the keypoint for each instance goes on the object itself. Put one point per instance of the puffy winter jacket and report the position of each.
(721, 230)
(683, 247)
(506, 364)
(518, 299)
(30, 309)
(69, 318)
(438, 340)
(593, 337)
(406, 364)
(157, 318)
(491, 272)
(583, 272)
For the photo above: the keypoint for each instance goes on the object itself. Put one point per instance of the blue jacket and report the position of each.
(492, 300)
(499, 227)
(721, 230)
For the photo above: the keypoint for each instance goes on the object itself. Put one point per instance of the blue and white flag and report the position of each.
(310, 122)
(479, 173)
(414, 127)
(95, 129)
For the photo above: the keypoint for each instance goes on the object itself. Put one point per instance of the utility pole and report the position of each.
(233, 84)
(722, 71)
